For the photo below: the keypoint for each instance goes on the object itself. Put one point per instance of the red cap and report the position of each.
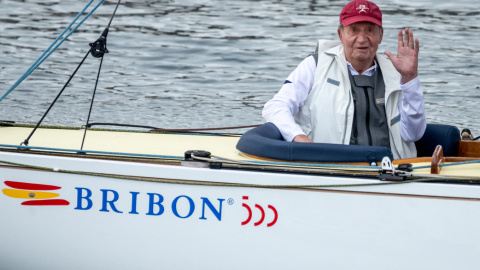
(361, 11)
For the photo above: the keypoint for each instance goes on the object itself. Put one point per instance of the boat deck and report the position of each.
(174, 145)
(128, 142)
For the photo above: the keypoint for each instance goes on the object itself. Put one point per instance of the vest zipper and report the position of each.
(346, 117)
(369, 135)
(397, 150)
(344, 63)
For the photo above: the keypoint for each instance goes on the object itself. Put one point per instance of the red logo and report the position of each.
(262, 212)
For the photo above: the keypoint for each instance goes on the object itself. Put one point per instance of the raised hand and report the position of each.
(406, 61)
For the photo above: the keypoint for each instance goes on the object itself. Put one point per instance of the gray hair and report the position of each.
(340, 27)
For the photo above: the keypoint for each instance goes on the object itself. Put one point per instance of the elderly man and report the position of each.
(346, 93)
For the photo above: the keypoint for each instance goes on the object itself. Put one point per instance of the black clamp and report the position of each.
(192, 162)
(406, 167)
(99, 47)
(197, 153)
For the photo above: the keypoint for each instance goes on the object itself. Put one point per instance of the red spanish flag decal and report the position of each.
(29, 194)
(47, 202)
(20, 185)
(35, 193)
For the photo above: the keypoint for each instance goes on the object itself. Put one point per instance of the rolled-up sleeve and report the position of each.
(283, 107)
(412, 111)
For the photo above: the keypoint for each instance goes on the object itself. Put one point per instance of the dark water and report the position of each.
(187, 64)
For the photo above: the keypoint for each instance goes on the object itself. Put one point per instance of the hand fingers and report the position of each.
(411, 40)
(406, 38)
(400, 39)
(417, 45)
(389, 55)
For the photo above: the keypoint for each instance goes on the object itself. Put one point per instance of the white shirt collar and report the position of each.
(368, 72)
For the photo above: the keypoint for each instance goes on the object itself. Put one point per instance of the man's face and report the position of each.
(360, 41)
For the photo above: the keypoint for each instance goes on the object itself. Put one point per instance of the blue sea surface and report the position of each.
(193, 64)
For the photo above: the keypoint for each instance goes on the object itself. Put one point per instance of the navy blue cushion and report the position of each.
(267, 141)
(436, 134)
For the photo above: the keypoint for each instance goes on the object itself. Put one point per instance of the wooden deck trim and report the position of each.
(469, 149)
(437, 159)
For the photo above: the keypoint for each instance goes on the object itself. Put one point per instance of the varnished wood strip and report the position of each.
(437, 159)
(469, 149)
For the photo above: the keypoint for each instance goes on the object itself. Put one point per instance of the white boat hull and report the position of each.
(119, 224)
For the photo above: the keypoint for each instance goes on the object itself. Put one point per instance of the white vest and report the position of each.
(327, 114)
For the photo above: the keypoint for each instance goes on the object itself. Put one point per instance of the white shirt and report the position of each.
(293, 94)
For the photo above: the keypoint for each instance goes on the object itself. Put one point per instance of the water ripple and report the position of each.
(179, 64)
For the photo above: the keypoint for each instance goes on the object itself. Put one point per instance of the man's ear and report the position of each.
(381, 34)
(339, 32)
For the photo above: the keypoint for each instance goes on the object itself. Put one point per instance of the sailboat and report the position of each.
(93, 198)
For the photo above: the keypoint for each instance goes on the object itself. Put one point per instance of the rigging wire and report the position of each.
(91, 103)
(53, 47)
(98, 50)
(286, 167)
(345, 171)
(421, 178)
(25, 142)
